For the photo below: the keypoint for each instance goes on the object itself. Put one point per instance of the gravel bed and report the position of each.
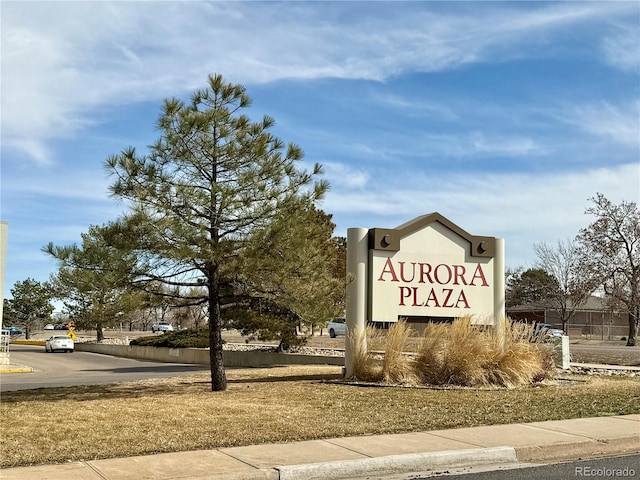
(246, 347)
(609, 372)
(238, 347)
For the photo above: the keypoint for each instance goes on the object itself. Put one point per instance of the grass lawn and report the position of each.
(272, 405)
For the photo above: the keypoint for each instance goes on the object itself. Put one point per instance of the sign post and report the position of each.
(4, 348)
(356, 302)
(499, 291)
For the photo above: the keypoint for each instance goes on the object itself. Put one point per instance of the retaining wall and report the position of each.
(253, 358)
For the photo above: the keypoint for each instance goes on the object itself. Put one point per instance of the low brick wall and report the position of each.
(197, 356)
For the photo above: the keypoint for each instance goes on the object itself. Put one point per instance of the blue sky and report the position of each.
(505, 117)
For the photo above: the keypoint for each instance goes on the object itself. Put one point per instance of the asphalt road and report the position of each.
(623, 467)
(82, 368)
(610, 353)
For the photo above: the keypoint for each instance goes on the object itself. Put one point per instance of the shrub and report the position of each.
(396, 366)
(363, 344)
(457, 354)
(189, 338)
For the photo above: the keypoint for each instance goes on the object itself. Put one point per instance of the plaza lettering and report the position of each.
(444, 298)
(444, 284)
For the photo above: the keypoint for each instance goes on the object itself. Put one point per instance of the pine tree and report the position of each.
(94, 280)
(212, 179)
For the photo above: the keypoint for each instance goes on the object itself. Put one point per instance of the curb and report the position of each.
(260, 474)
(564, 452)
(392, 464)
(39, 343)
(16, 369)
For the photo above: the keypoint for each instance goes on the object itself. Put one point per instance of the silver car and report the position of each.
(548, 332)
(161, 327)
(337, 326)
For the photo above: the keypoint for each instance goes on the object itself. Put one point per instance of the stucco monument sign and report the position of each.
(4, 341)
(424, 270)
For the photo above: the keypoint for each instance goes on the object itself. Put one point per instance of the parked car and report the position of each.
(49, 326)
(59, 342)
(337, 326)
(13, 331)
(161, 327)
(548, 331)
(5, 336)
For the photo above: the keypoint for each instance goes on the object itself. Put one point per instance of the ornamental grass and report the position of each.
(459, 353)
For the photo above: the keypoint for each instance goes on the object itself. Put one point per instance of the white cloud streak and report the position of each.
(61, 60)
(59, 183)
(523, 209)
(620, 124)
(620, 48)
(345, 177)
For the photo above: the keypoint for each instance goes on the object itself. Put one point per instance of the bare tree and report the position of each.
(188, 315)
(573, 284)
(610, 248)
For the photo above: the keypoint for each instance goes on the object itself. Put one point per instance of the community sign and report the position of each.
(429, 268)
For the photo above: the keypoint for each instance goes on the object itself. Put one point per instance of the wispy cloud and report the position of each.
(468, 145)
(345, 177)
(60, 60)
(621, 47)
(514, 146)
(58, 183)
(523, 209)
(435, 109)
(620, 123)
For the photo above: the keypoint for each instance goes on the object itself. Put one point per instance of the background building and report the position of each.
(592, 320)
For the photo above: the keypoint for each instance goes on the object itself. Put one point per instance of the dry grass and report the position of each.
(396, 367)
(359, 348)
(381, 357)
(271, 405)
(455, 354)
(365, 364)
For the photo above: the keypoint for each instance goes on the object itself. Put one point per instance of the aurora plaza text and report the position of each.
(425, 285)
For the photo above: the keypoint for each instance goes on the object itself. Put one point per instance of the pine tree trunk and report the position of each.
(218, 376)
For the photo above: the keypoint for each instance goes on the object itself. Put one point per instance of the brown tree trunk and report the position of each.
(633, 326)
(218, 376)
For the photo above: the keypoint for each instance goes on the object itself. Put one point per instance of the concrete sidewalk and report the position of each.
(340, 458)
